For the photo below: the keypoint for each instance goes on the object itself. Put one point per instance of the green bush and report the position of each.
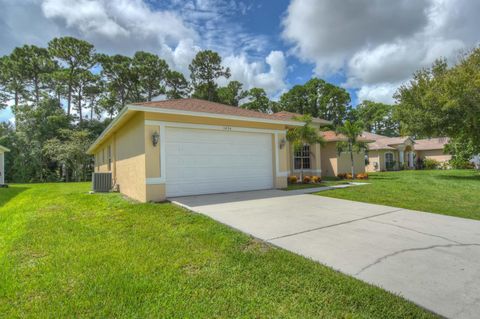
(429, 163)
(460, 163)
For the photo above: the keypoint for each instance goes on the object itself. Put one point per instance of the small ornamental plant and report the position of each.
(307, 179)
(292, 179)
(316, 179)
(362, 176)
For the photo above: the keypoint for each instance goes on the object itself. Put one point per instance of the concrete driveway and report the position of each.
(432, 260)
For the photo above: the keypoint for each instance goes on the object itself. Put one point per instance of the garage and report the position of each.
(205, 161)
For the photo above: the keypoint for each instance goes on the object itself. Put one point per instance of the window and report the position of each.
(302, 156)
(389, 161)
(109, 157)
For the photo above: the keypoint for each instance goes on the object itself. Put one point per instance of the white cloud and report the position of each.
(379, 44)
(254, 74)
(175, 29)
(378, 92)
(119, 20)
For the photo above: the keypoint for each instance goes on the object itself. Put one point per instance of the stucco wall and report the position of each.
(437, 155)
(373, 157)
(329, 159)
(211, 121)
(344, 163)
(315, 161)
(333, 164)
(128, 158)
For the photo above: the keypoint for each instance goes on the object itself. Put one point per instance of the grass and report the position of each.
(65, 253)
(448, 192)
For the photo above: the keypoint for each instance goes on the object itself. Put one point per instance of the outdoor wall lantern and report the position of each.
(282, 143)
(155, 138)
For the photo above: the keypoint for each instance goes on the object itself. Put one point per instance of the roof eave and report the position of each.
(140, 108)
(213, 115)
(107, 130)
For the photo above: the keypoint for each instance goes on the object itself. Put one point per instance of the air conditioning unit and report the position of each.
(101, 182)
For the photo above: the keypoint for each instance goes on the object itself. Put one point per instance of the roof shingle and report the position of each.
(203, 106)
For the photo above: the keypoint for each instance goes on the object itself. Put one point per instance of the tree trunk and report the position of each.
(37, 93)
(351, 159)
(301, 169)
(16, 107)
(69, 99)
(80, 104)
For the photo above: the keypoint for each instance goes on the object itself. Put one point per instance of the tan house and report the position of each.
(432, 148)
(325, 160)
(3, 150)
(157, 150)
(392, 153)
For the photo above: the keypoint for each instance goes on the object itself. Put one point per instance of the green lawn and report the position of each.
(450, 192)
(65, 253)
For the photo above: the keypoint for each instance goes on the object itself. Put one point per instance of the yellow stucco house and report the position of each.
(157, 150)
(392, 153)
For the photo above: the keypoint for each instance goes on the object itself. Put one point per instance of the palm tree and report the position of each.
(304, 135)
(351, 131)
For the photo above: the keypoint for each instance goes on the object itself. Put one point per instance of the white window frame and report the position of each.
(303, 157)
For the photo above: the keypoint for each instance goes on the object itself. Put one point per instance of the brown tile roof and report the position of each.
(379, 145)
(203, 106)
(332, 136)
(382, 142)
(290, 116)
(431, 143)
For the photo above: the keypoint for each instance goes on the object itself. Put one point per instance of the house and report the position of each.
(392, 153)
(325, 160)
(3, 150)
(432, 148)
(162, 149)
(334, 163)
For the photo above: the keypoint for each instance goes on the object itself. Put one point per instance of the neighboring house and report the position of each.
(323, 161)
(156, 150)
(432, 148)
(392, 153)
(3, 150)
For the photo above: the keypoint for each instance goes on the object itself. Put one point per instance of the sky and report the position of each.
(369, 47)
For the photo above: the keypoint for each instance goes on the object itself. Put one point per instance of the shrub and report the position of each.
(429, 163)
(349, 176)
(292, 179)
(307, 179)
(342, 175)
(316, 179)
(362, 176)
(460, 163)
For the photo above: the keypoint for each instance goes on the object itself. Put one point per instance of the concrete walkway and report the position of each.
(430, 259)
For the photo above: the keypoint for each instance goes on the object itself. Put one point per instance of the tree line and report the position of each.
(63, 95)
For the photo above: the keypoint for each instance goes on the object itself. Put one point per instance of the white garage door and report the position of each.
(202, 161)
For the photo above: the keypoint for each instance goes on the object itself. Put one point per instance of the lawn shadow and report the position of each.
(8, 193)
(383, 177)
(460, 177)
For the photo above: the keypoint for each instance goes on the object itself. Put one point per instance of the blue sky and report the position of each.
(370, 47)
